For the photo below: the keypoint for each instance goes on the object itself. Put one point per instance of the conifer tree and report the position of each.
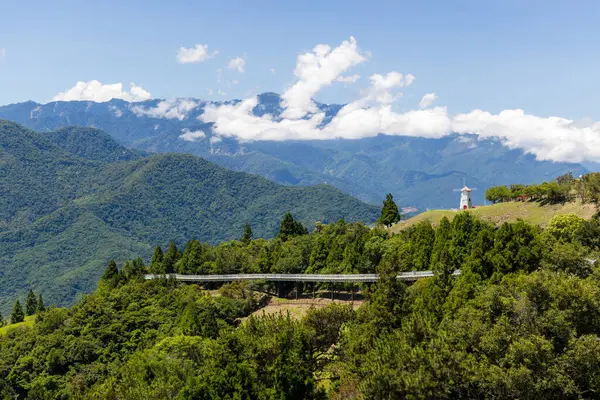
(1, 320)
(111, 271)
(170, 258)
(247, 235)
(17, 313)
(289, 228)
(40, 304)
(156, 264)
(389, 211)
(441, 255)
(31, 303)
(192, 259)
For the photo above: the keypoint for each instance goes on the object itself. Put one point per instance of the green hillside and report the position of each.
(531, 211)
(521, 321)
(67, 207)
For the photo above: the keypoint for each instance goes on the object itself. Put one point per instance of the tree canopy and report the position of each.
(389, 212)
(522, 320)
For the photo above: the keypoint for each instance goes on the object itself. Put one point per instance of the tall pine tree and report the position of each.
(111, 272)
(170, 258)
(290, 228)
(40, 304)
(156, 264)
(389, 212)
(247, 235)
(17, 314)
(441, 255)
(31, 303)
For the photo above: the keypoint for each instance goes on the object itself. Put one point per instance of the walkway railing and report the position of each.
(350, 278)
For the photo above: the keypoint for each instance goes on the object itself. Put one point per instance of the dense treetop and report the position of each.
(585, 188)
(521, 321)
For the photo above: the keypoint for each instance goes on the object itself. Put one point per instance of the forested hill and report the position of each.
(73, 199)
(521, 321)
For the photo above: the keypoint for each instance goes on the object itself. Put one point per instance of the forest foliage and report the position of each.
(73, 199)
(522, 320)
(566, 187)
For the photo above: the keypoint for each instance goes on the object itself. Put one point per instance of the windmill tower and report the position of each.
(465, 196)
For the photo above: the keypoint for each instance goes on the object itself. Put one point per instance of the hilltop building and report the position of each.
(465, 198)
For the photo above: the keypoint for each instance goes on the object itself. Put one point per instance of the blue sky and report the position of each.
(541, 56)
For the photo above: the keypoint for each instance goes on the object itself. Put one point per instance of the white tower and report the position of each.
(465, 198)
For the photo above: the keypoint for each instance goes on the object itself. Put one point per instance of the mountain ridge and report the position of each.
(63, 216)
(411, 168)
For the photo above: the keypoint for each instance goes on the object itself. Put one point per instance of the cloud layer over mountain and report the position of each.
(372, 113)
(99, 92)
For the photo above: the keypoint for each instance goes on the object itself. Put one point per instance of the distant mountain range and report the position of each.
(419, 172)
(72, 199)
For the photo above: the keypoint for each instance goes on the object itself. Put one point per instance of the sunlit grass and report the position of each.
(29, 321)
(532, 212)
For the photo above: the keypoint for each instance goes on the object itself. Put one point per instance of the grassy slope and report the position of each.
(28, 322)
(531, 212)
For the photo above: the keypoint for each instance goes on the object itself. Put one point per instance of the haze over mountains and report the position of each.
(419, 172)
(72, 199)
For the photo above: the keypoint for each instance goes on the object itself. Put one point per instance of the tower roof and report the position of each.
(465, 189)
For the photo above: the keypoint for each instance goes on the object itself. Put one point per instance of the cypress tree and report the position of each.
(111, 271)
(192, 260)
(289, 228)
(31, 303)
(389, 211)
(247, 235)
(156, 264)
(441, 255)
(17, 314)
(40, 304)
(170, 258)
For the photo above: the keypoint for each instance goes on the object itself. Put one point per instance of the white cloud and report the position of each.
(221, 93)
(315, 70)
(116, 110)
(195, 54)
(273, 70)
(192, 136)
(2, 52)
(99, 92)
(382, 85)
(238, 64)
(348, 79)
(169, 109)
(549, 138)
(428, 100)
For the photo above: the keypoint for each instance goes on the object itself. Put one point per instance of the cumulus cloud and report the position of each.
(195, 54)
(382, 86)
(99, 92)
(238, 64)
(316, 70)
(428, 100)
(169, 109)
(548, 138)
(192, 136)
